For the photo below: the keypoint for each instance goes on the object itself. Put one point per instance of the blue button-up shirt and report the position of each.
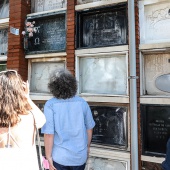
(68, 120)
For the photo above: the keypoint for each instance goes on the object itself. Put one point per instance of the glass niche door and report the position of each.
(4, 9)
(103, 75)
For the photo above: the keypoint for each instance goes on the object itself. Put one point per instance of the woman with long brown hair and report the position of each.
(18, 116)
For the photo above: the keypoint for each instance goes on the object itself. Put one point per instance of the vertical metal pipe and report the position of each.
(133, 88)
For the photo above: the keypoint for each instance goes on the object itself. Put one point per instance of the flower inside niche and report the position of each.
(29, 29)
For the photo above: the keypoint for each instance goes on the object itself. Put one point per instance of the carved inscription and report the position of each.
(46, 5)
(50, 36)
(3, 41)
(156, 128)
(157, 17)
(102, 28)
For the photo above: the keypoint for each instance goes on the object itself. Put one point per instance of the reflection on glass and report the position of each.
(40, 73)
(103, 75)
(3, 41)
(4, 9)
(46, 5)
(110, 128)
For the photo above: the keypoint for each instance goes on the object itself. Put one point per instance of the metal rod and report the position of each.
(133, 91)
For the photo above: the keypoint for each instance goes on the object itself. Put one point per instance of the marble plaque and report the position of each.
(46, 5)
(4, 9)
(96, 163)
(103, 75)
(50, 36)
(155, 129)
(156, 24)
(155, 65)
(3, 42)
(40, 73)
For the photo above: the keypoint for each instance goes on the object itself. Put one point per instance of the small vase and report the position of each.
(25, 43)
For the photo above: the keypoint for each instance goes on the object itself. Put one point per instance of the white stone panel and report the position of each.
(46, 5)
(103, 75)
(154, 22)
(95, 163)
(40, 72)
(155, 65)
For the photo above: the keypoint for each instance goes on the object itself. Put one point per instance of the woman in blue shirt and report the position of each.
(69, 124)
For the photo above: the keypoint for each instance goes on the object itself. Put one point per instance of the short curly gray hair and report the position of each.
(62, 84)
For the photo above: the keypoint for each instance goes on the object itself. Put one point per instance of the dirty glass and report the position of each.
(3, 42)
(4, 9)
(103, 75)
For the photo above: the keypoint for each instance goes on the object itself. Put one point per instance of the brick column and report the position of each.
(70, 37)
(18, 9)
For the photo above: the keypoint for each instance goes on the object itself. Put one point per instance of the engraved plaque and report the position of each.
(157, 22)
(40, 73)
(96, 163)
(104, 27)
(46, 5)
(50, 35)
(4, 9)
(103, 75)
(111, 126)
(155, 129)
(3, 42)
(156, 65)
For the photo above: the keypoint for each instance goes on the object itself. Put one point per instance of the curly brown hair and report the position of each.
(12, 98)
(63, 84)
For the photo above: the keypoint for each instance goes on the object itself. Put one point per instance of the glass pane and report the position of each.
(4, 9)
(103, 75)
(40, 73)
(111, 125)
(97, 163)
(3, 41)
(156, 66)
(46, 5)
(2, 67)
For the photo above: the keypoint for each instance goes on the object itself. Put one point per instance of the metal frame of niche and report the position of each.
(82, 13)
(47, 15)
(144, 123)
